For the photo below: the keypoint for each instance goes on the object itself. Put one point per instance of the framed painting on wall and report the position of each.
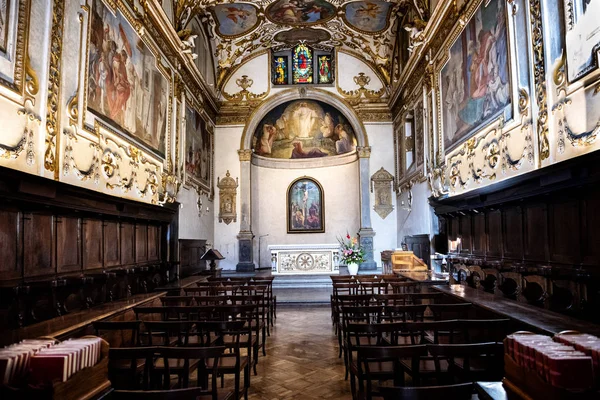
(582, 37)
(4, 10)
(305, 206)
(125, 86)
(475, 81)
(198, 149)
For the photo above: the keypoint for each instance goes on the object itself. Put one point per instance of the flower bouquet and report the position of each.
(352, 253)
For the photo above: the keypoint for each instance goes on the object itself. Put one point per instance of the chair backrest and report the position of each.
(404, 313)
(167, 333)
(215, 332)
(489, 358)
(368, 356)
(373, 287)
(119, 333)
(342, 278)
(124, 365)
(406, 287)
(346, 288)
(418, 331)
(462, 391)
(208, 362)
(173, 394)
(450, 311)
(383, 334)
(177, 300)
(361, 314)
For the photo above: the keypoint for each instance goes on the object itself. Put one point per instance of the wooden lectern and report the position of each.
(407, 261)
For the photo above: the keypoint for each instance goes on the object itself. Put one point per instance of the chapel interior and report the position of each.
(299, 199)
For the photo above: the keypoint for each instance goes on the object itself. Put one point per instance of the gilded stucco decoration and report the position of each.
(244, 94)
(227, 198)
(354, 97)
(382, 184)
(241, 29)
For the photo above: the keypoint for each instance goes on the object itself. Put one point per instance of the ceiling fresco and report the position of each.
(241, 29)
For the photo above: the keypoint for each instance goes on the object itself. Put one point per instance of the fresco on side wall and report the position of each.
(305, 206)
(583, 40)
(476, 79)
(197, 147)
(4, 8)
(300, 12)
(124, 84)
(368, 16)
(235, 19)
(303, 129)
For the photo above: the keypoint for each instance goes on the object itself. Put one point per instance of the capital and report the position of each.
(245, 154)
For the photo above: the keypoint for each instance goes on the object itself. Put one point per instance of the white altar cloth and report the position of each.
(305, 259)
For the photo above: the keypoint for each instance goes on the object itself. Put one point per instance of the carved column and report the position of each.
(245, 237)
(366, 232)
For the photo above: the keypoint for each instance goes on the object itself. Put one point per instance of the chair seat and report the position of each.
(227, 362)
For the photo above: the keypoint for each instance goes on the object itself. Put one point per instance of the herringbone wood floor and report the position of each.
(301, 361)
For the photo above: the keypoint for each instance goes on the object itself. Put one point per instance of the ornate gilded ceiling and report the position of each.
(241, 28)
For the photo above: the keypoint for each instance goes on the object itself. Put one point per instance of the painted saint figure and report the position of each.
(280, 71)
(306, 117)
(324, 70)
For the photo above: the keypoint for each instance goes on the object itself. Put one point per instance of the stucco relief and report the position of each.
(382, 183)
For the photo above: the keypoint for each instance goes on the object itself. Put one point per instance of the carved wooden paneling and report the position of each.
(536, 232)
(141, 243)
(10, 244)
(465, 233)
(153, 243)
(453, 229)
(92, 244)
(479, 234)
(38, 245)
(494, 234)
(512, 232)
(68, 244)
(112, 244)
(127, 243)
(590, 220)
(565, 231)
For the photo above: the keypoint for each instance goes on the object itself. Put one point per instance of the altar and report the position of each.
(305, 259)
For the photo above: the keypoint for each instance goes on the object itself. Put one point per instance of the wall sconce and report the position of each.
(202, 210)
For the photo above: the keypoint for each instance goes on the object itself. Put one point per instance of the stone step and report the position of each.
(302, 281)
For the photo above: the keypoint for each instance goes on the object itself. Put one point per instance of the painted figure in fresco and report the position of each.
(266, 141)
(306, 117)
(299, 152)
(328, 125)
(324, 70)
(313, 220)
(344, 144)
(238, 16)
(280, 71)
(298, 219)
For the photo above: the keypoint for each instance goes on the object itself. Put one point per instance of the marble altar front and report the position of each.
(305, 259)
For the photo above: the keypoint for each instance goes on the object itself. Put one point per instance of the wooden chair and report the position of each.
(167, 333)
(462, 391)
(406, 287)
(234, 336)
(404, 313)
(361, 334)
(177, 301)
(120, 333)
(383, 363)
(272, 299)
(346, 288)
(174, 394)
(339, 301)
(468, 362)
(373, 288)
(129, 367)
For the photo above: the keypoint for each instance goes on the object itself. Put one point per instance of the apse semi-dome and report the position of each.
(301, 129)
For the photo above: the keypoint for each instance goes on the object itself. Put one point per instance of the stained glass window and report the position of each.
(280, 70)
(324, 71)
(302, 67)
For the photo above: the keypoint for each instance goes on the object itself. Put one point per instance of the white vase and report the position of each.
(352, 268)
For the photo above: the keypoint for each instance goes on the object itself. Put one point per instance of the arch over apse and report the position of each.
(303, 93)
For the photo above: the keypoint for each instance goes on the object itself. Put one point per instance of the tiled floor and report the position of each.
(301, 361)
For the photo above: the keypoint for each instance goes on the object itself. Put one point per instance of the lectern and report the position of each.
(212, 255)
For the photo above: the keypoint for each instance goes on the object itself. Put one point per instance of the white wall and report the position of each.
(420, 218)
(227, 143)
(269, 191)
(381, 141)
(191, 225)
